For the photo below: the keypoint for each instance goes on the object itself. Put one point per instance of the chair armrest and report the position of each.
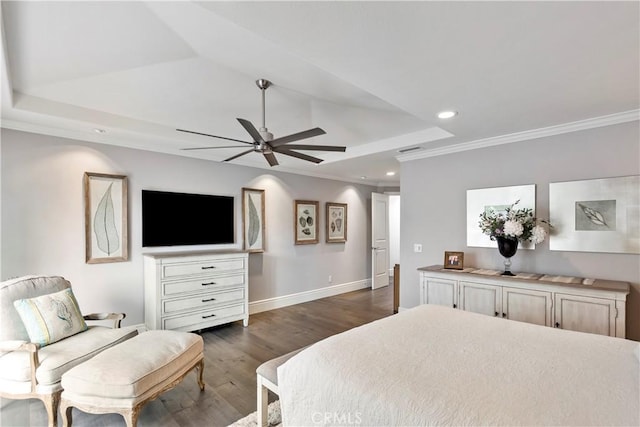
(31, 348)
(116, 317)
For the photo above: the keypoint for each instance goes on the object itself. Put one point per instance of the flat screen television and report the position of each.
(172, 219)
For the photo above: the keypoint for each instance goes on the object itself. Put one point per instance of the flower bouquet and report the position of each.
(510, 227)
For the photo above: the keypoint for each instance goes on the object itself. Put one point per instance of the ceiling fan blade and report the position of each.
(211, 148)
(297, 136)
(299, 155)
(271, 159)
(249, 127)
(238, 155)
(213, 136)
(313, 147)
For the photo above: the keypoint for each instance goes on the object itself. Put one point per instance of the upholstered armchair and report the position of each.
(32, 368)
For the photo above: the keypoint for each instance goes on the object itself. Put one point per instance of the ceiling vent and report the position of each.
(408, 150)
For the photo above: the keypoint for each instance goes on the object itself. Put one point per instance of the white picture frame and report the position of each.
(596, 215)
(478, 200)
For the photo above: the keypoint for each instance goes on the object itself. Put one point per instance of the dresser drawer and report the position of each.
(201, 268)
(202, 301)
(206, 284)
(203, 317)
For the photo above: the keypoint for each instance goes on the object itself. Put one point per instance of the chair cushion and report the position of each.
(135, 366)
(269, 368)
(58, 358)
(11, 326)
(52, 317)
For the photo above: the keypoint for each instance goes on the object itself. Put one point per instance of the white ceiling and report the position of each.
(372, 74)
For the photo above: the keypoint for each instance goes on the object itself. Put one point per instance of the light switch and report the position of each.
(417, 247)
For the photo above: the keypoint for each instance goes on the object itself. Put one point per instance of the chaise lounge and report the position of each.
(30, 369)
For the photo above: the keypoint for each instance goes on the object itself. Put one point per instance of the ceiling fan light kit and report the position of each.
(263, 141)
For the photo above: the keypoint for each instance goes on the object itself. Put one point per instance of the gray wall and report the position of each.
(42, 228)
(433, 200)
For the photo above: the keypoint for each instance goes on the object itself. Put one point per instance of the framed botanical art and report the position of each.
(596, 215)
(454, 260)
(496, 199)
(305, 214)
(336, 223)
(105, 218)
(253, 220)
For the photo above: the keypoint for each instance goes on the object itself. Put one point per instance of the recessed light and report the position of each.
(363, 177)
(390, 173)
(96, 130)
(447, 114)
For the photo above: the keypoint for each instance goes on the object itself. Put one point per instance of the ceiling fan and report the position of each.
(264, 143)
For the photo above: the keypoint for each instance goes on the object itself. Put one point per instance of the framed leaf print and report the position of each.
(305, 215)
(253, 225)
(105, 218)
(336, 223)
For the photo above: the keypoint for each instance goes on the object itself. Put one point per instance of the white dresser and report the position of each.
(586, 306)
(188, 291)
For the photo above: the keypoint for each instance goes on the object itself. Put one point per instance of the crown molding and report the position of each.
(612, 119)
(29, 127)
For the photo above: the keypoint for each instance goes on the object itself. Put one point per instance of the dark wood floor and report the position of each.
(232, 354)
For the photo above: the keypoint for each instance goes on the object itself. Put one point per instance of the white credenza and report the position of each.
(598, 307)
(189, 291)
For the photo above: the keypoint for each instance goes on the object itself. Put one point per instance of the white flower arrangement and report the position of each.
(517, 224)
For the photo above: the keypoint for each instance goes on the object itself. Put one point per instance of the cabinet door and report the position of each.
(585, 314)
(526, 305)
(480, 298)
(439, 292)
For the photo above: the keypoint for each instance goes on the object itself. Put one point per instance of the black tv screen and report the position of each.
(172, 219)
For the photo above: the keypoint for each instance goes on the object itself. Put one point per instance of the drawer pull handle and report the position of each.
(210, 283)
(208, 268)
(208, 300)
(206, 317)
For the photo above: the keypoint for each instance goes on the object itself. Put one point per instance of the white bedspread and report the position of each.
(434, 365)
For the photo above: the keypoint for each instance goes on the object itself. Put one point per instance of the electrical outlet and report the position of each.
(330, 279)
(417, 247)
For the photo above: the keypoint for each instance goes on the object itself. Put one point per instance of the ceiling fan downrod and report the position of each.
(263, 84)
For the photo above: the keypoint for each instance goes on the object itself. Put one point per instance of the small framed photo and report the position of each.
(453, 260)
(336, 223)
(305, 215)
(105, 218)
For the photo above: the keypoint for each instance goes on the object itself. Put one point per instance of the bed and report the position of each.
(434, 365)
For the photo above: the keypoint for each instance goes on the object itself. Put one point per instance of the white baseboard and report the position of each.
(401, 309)
(292, 299)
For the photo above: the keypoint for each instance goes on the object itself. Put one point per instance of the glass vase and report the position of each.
(507, 247)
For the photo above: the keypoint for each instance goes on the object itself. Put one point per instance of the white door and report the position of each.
(379, 240)
(527, 305)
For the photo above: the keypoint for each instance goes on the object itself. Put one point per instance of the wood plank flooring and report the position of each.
(232, 354)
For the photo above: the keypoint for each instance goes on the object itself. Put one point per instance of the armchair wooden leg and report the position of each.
(65, 411)
(200, 372)
(51, 403)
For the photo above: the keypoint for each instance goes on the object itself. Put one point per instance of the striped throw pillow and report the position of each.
(52, 317)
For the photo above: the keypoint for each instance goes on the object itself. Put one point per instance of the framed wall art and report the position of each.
(497, 199)
(253, 220)
(336, 222)
(305, 214)
(454, 260)
(105, 218)
(596, 215)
